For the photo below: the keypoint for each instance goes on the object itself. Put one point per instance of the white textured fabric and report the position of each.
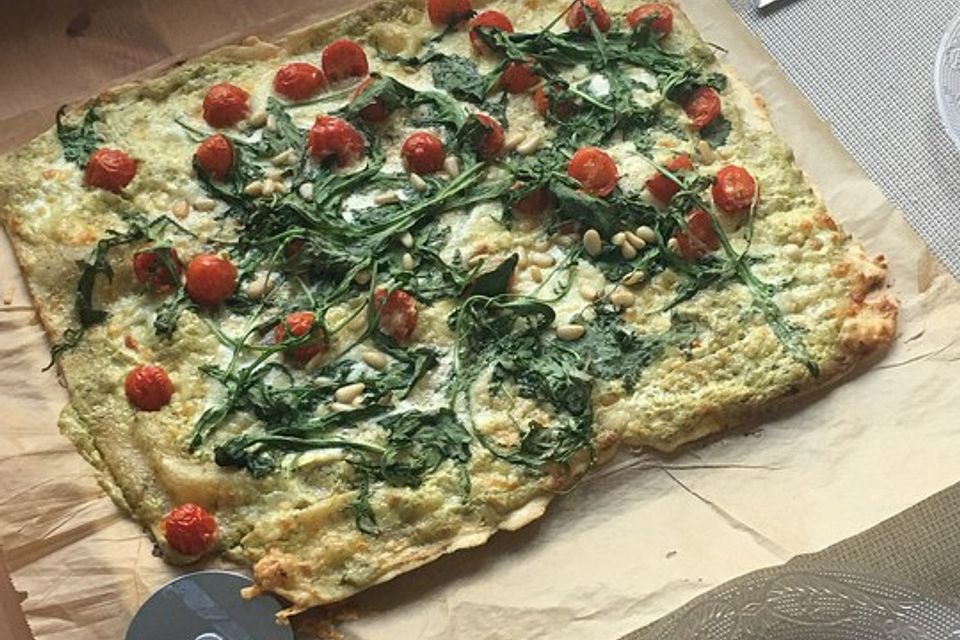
(868, 66)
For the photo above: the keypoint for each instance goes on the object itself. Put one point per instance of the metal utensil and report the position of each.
(763, 4)
(207, 605)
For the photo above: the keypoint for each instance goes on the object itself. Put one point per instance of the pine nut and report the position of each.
(646, 234)
(271, 122)
(204, 204)
(543, 260)
(535, 274)
(418, 183)
(387, 197)
(452, 166)
(255, 188)
(268, 187)
(374, 359)
(284, 158)
(592, 242)
(634, 278)
(407, 240)
(280, 186)
(622, 299)
(181, 209)
(618, 239)
(637, 242)
(791, 251)
(627, 251)
(260, 286)
(258, 119)
(362, 277)
(513, 141)
(588, 293)
(407, 261)
(306, 191)
(571, 332)
(541, 245)
(349, 393)
(673, 245)
(523, 259)
(530, 144)
(564, 241)
(339, 407)
(706, 152)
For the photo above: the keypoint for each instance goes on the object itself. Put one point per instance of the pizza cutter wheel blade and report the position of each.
(207, 605)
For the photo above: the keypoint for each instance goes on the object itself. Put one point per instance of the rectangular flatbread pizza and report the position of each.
(336, 306)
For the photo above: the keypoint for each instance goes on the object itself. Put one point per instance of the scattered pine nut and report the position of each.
(571, 332)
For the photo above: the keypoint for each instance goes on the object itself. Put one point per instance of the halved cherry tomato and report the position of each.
(398, 313)
(734, 190)
(298, 80)
(190, 529)
(300, 324)
(225, 105)
(661, 186)
(344, 59)
(376, 111)
(545, 104)
(577, 16)
(148, 387)
(492, 142)
(110, 169)
(659, 16)
(211, 279)
(151, 269)
(446, 12)
(517, 77)
(494, 19)
(334, 137)
(215, 155)
(595, 170)
(423, 153)
(699, 238)
(703, 107)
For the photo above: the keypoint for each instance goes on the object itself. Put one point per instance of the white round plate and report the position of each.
(947, 80)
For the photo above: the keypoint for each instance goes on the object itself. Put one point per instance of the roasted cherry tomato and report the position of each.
(110, 169)
(398, 313)
(699, 238)
(577, 16)
(215, 155)
(594, 170)
(376, 111)
(148, 387)
(661, 186)
(703, 107)
(301, 323)
(492, 142)
(344, 59)
(190, 529)
(545, 104)
(423, 153)
(446, 12)
(517, 77)
(298, 80)
(151, 269)
(211, 279)
(225, 105)
(494, 19)
(659, 16)
(335, 137)
(735, 189)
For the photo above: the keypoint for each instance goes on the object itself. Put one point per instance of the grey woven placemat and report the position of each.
(867, 67)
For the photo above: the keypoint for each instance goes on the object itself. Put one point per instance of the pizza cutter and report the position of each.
(207, 605)
(764, 4)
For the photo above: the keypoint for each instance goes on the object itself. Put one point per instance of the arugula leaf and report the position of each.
(717, 132)
(459, 77)
(78, 141)
(495, 282)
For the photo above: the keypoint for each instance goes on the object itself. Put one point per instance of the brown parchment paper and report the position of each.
(637, 539)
